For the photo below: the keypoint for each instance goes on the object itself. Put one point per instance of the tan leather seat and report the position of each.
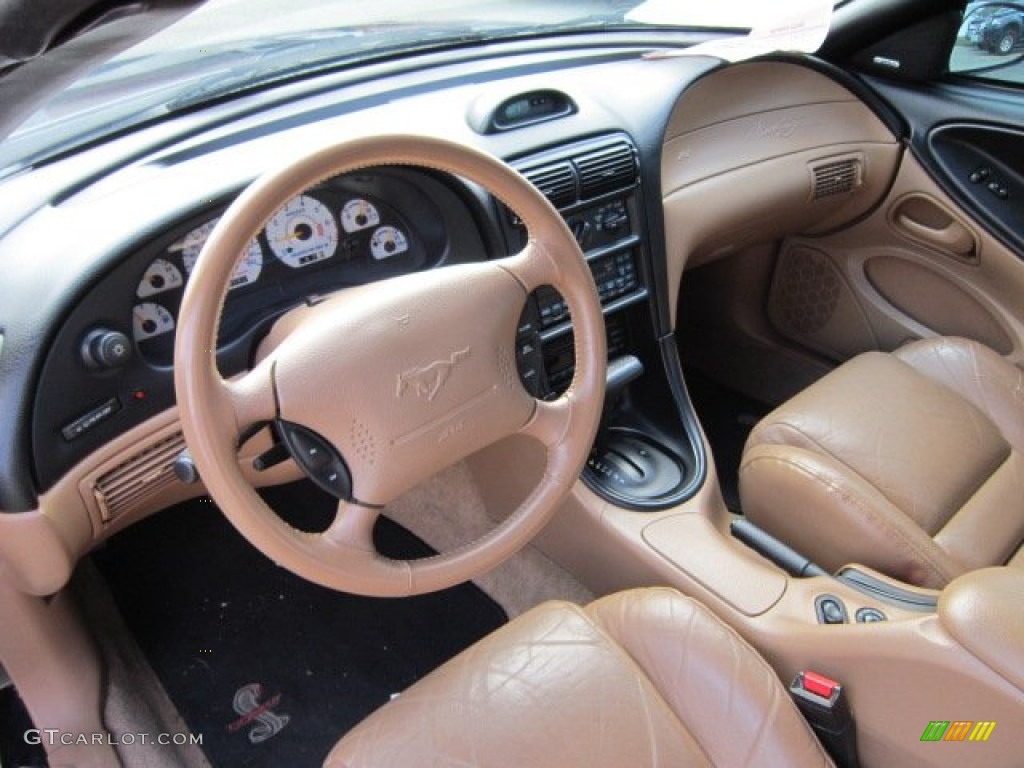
(642, 678)
(911, 463)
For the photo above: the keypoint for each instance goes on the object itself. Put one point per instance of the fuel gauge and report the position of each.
(150, 319)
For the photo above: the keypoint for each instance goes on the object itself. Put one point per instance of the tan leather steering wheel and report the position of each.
(400, 378)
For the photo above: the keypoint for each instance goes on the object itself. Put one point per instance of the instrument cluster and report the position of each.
(347, 231)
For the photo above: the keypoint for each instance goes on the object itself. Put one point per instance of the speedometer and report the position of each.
(250, 263)
(302, 232)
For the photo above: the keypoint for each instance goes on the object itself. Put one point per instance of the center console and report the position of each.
(650, 512)
(647, 454)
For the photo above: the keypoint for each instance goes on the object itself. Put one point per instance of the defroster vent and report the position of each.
(836, 178)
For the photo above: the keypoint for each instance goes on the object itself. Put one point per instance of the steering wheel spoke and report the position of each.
(251, 396)
(533, 266)
(352, 527)
(550, 422)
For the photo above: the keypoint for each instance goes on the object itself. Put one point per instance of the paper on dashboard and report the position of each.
(799, 26)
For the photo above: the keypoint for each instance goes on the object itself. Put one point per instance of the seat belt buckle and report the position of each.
(823, 702)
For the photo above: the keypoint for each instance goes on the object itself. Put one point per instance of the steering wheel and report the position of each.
(379, 387)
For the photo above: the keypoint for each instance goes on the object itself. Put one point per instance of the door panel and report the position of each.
(944, 254)
(883, 282)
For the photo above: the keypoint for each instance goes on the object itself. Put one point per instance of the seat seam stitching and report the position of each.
(619, 650)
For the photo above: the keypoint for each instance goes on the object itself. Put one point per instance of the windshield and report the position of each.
(229, 46)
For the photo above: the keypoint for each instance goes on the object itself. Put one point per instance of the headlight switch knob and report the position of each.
(103, 349)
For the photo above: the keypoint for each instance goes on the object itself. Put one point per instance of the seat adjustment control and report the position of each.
(869, 615)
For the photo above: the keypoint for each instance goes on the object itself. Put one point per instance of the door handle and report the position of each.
(953, 237)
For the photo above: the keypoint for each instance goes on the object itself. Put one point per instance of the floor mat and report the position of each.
(270, 669)
(15, 750)
(727, 418)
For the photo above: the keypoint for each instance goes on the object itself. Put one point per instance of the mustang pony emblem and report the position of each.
(426, 381)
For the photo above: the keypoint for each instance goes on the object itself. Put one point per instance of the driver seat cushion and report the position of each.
(641, 678)
(911, 463)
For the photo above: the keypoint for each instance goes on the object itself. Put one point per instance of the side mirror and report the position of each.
(991, 38)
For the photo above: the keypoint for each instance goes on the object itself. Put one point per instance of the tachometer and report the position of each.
(250, 263)
(359, 214)
(302, 232)
(387, 242)
(150, 319)
(159, 276)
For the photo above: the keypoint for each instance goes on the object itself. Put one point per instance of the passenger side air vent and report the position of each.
(838, 177)
(556, 182)
(128, 485)
(606, 170)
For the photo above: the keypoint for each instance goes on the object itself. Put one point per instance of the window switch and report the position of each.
(998, 189)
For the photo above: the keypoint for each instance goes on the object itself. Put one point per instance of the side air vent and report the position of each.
(606, 169)
(556, 182)
(128, 485)
(836, 178)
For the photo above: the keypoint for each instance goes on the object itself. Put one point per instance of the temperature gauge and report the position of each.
(160, 276)
(387, 242)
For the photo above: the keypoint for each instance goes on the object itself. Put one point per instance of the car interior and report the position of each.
(579, 398)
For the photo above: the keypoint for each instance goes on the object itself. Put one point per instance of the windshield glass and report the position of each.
(229, 46)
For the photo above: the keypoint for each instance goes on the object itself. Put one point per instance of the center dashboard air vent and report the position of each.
(601, 168)
(606, 169)
(556, 182)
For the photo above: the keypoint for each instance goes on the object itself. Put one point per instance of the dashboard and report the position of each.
(114, 234)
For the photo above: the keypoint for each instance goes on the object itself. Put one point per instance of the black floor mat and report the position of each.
(246, 650)
(15, 749)
(727, 418)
